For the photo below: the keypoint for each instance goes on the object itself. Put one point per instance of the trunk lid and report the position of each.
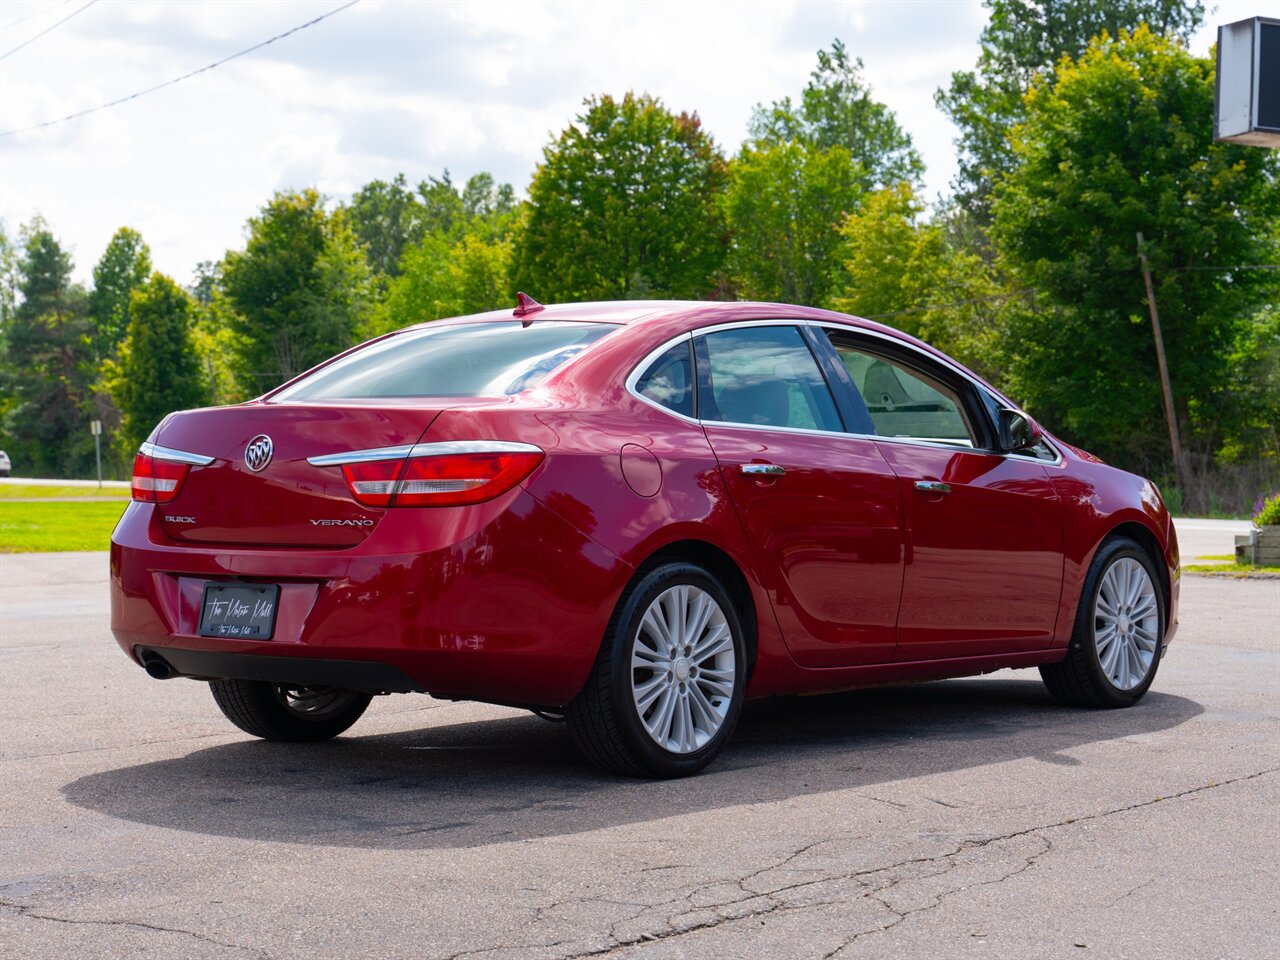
(288, 502)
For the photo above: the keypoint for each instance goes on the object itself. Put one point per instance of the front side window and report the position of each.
(765, 376)
(904, 401)
(467, 360)
(668, 381)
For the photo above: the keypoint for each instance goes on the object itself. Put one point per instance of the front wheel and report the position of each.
(667, 686)
(279, 711)
(1115, 647)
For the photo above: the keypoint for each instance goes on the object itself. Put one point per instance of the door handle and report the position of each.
(933, 486)
(762, 469)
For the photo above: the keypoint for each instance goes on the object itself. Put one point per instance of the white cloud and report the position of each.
(415, 87)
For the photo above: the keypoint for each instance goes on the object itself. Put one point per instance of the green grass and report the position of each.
(52, 527)
(1218, 556)
(1239, 571)
(16, 491)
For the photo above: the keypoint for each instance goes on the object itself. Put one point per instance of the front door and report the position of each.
(984, 538)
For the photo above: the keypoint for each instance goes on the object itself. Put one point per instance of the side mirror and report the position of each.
(1018, 431)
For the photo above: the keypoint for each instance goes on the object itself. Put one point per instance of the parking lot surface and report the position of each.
(968, 818)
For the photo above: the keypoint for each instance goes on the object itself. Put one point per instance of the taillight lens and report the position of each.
(156, 480)
(447, 480)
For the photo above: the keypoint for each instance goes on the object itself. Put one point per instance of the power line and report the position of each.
(185, 76)
(27, 43)
(31, 16)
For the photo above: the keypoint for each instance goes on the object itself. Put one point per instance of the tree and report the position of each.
(836, 110)
(386, 218)
(301, 289)
(929, 279)
(1117, 142)
(625, 202)
(784, 204)
(47, 362)
(123, 269)
(8, 279)
(441, 279)
(158, 371)
(484, 199)
(1026, 38)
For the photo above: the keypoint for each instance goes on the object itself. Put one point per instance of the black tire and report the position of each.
(604, 719)
(275, 711)
(1079, 679)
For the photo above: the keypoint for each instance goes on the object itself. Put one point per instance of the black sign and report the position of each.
(244, 611)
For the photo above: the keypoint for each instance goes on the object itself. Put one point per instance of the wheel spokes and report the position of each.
(1126, 622)
(683, 671)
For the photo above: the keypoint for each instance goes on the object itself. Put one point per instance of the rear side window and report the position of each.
(768, 377)
(668, 381)
(469, 360)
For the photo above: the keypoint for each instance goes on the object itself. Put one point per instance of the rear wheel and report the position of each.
(1115, 648)
(279, 711)
(667, 686)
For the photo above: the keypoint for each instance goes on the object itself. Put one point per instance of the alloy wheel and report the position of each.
(1126, 623)
(313, 703)
(682, 669)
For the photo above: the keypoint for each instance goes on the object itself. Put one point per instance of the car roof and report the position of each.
(694, 312)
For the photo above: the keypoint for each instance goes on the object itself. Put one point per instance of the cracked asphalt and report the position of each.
(968, 818)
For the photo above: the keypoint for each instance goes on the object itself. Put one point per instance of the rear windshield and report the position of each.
(471, 360)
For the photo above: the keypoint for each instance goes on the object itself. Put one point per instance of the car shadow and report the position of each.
(491, 781)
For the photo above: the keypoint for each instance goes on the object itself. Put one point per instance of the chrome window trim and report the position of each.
(642, 368)
(157, 452)
(643, 365)
(443, 448)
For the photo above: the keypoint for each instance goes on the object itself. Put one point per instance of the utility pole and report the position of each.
(1170, 416)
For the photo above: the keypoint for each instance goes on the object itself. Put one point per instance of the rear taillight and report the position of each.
(440, 474)
(158, 472)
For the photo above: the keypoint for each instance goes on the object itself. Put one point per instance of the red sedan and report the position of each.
(634, 515)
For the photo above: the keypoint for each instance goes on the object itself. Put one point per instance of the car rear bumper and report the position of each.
(503, 601)
(368, 675)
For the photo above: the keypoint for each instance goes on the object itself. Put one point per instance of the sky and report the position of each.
(386, 87)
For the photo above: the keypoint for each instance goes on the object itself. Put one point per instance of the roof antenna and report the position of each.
(526, 305)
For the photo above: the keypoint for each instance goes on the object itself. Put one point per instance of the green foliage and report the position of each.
(836, 110)
(386, 218)
(1026, 38)
(300, 290)
(930, 279)
(8, 278)
(1119, 142)
(123, 269)
(625, 203)
(1268, 514)
(48, 362)
(158, 371)
(783, 205)
(441, 279)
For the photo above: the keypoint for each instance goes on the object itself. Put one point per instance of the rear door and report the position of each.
(820, 507)
(984, 538)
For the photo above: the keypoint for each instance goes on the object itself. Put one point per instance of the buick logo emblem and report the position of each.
(258, 453)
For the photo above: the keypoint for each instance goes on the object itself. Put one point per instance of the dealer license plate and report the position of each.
(245, 611)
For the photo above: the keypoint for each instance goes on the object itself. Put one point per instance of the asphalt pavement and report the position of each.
(967, 818)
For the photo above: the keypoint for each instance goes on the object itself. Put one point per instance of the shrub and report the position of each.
(1266, 512)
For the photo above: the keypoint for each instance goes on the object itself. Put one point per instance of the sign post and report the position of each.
(95, 427)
